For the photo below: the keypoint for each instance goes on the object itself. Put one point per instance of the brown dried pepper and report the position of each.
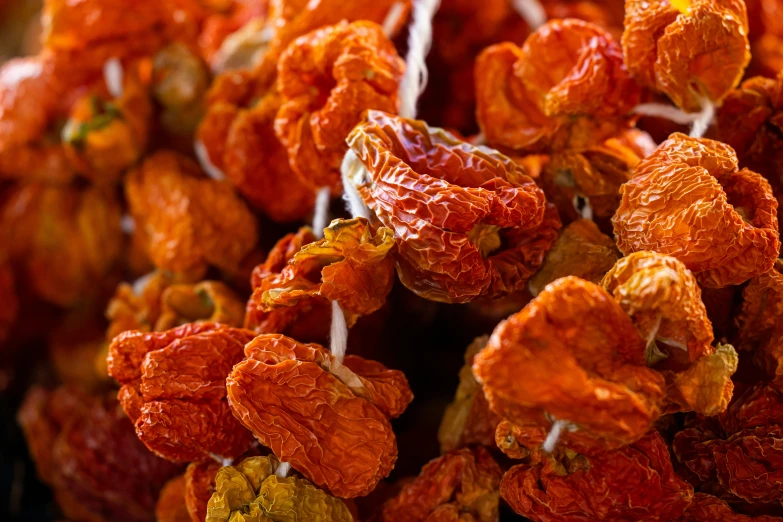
(326, 80)
(460, 485)
(706, 508)
(491, 228)
(352, 265)
(187, 221)
(687, 49)
(633, 483)
(468, 419)
(581, 100)
(585, 364)
(330, 421)
(173, 388)
(689, 200)
(663, 300)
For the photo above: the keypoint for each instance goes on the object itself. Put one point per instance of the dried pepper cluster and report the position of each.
(179, 282)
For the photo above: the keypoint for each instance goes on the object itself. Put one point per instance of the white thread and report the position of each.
(419, 42)
(220, 460)
(112, 75)
(478, 139)
(206, 164)
(554, 434)
(699, 121)
(140, 284)
(586, 211)
(127, 224)
(321, 211)
(283, 469)
(354, 173)
(339, 333)
(531, 11)
(392, 19)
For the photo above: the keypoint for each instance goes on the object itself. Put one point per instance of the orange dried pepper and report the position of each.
(185, 220)
(64, 240)
(326, 80)
(103, 137)
(468, 419)
(632, 483)
(82, 445)
(74, 345)
(760, 324)
(582, 251)
(582, 100)
(309, 318)
(491, 228)
(585, 364)
(689, 200)
(329, 420)
(663, 300)
(179, 82)
(176, 394)
(690, 50)
(351, 265)
(460, 485)
(171, 502)
(199, 486)
(205, 301)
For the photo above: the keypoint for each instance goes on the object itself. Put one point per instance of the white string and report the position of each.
(699, 121)
(419, 42)
(321, 211)
(127, 224)
(112, 75)
(220, 460)
(283, 469)
(392, 19)
(339, 333)
(531, 11)
(554, 434)
(354, 173)
(206, 164)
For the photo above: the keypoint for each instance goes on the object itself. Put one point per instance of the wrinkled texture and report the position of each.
(634, 483)
(82, 446)
(565, 88)
(176, 394)
(706, 508)
(199, 486)
(353, 263)
(330, 421)
(467, 221)
(186, 221)
(584, 361)
(690, 53)
(250, 491)
(581, 251)
(326, 80)
(663, 300)
(308, 319)
(460, 485)
(63, 241)
(760, 324)
(468, 419)
(689, 200)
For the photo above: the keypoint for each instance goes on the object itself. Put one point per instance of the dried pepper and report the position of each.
(199, 487)
(582, 251)
(82, 445)
(64, 241)
(491, 229)
(186, 221)
(632, 483)
(706, 508)
(174, 389)
(582, 100)
(179, 82)
(251, 491)
(308, 318)
(352, 262)
(329, 420)
(760, 324)
(460, 484)
(326, 80)
(689, 200)
(171, 503)
(468, 419)
(584, 361)
(691, 50)
(663, 300)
